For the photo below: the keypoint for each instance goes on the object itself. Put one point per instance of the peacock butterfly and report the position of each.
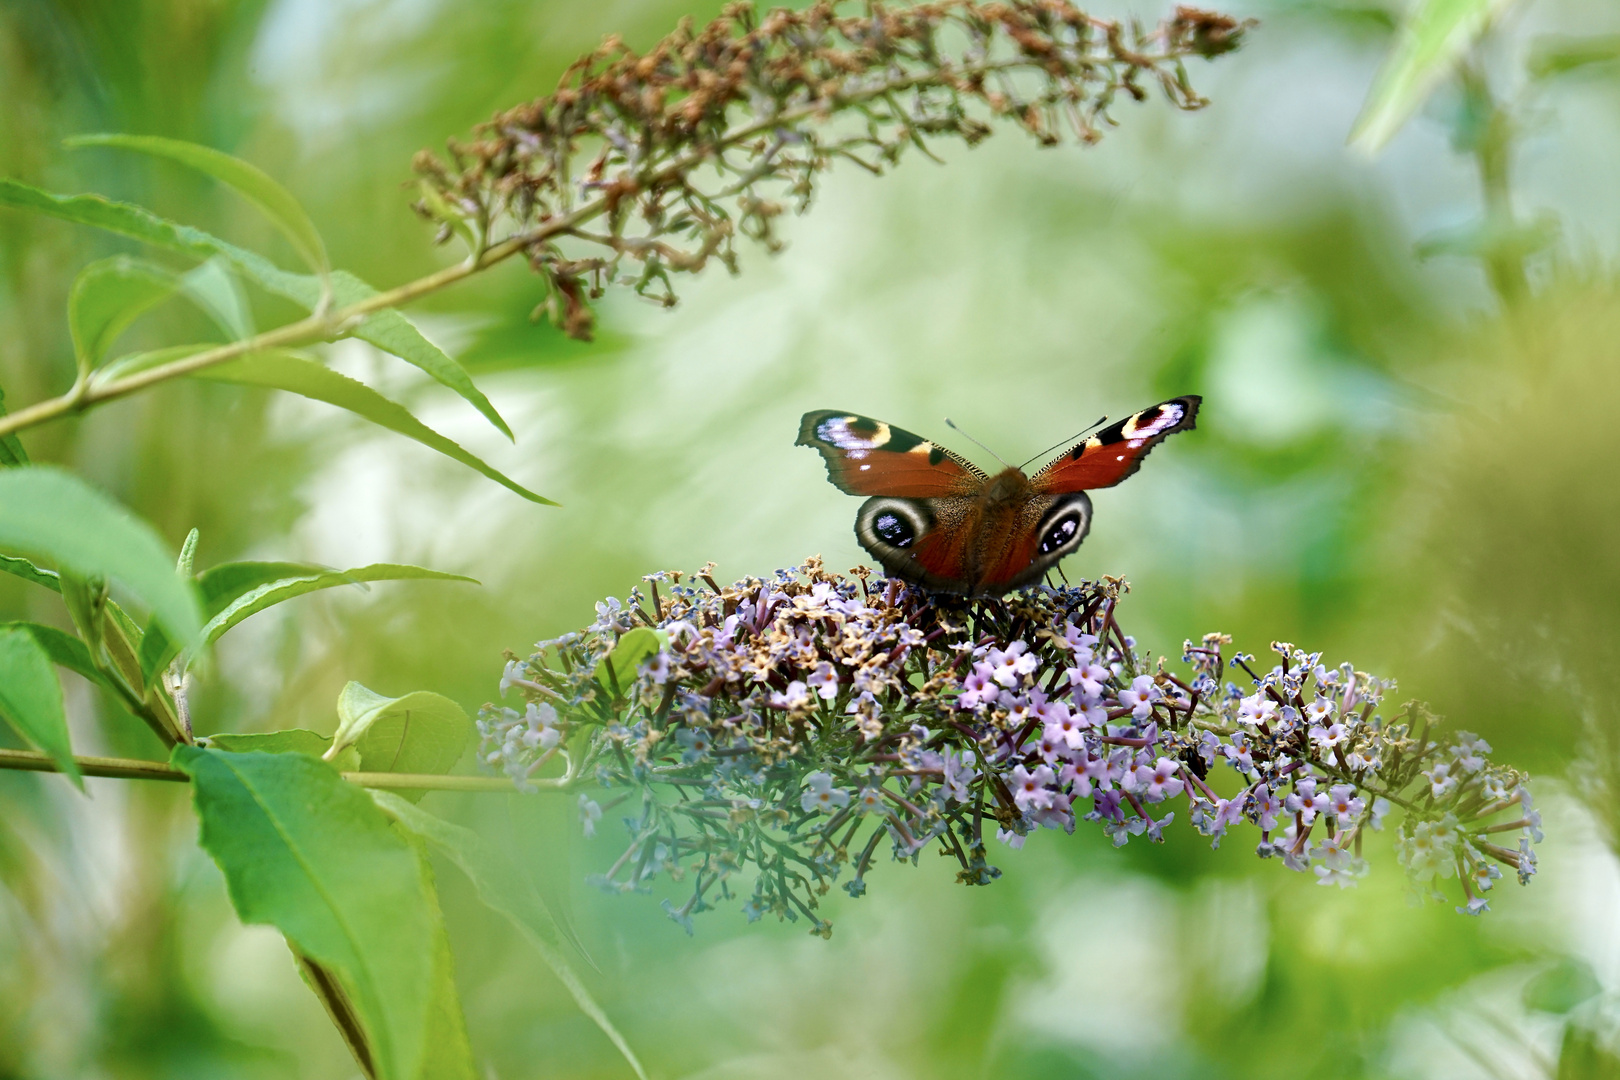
(936, 520)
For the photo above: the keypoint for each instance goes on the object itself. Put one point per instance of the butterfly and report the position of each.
(936, 520)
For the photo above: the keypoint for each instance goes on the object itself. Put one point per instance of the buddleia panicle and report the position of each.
(766, 740)
(664, 157)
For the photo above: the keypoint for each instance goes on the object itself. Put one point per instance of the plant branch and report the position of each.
(137, 769)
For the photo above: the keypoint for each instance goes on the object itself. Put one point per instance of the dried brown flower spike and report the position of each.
(715, 131)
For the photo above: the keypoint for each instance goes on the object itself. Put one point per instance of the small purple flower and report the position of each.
(1087, 680)
(978, 691)
(1306, 800)
(1256, 709)
(1344, 804)
(1140, 697)
(1328, 736)
(1158, 781)
(1032, 789)
(1011, 664)
(1266, 807)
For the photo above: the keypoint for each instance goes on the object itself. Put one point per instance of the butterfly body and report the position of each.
(936, 520)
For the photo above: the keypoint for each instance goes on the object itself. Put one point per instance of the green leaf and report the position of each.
(296, 373)
(155, 652)
(253, 183)
(63, 649)
(11, 448)
(393, 333)
(387, 329)
(1562, 987)
(448, 1053)
(289, 741)
(29, 572)
(311, 855)
(1435, 34)
(1552, 55)
(223, 583)
(271, 593)
(1584, 1054)
(48, 513)
(86, 601)
(213, 286)
(635, 646)
(31, 698)
(109, 295)
(502, 887)
(420, 732)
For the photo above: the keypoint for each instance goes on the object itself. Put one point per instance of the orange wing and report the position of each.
(1117, 450)
(868, 457)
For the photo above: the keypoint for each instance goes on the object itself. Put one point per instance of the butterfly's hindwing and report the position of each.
(1057, 532)
(923, 541)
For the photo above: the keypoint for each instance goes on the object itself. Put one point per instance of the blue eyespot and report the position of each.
(893, 529)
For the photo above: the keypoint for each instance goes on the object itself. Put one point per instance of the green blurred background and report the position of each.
(1393, 465)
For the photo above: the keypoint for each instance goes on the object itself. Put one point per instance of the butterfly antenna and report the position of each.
(952, 425)
(1063, 442)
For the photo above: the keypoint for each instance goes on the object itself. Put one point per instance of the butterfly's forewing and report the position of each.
(1117, 450)
(868, 457)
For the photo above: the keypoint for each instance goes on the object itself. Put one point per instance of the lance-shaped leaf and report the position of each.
(271, 593)
(109, 295)
(387, 329)
(31, 698)
(311, 855)
(11, 448)
(51, 514)
(26, 570)
(221, 584)
(213, 286)
(281, 369)
(1435, 34)
(420, 732)
(64, 649)
(252, 182)
(503, 887)
(299, 373)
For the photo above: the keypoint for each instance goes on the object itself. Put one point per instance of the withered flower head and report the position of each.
(715, 131)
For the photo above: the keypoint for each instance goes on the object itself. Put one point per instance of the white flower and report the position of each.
(869, 801)
(1441, 782)
(819, 794)
(824, 681)
(542, 727)
(797, 696)
(589, 814)
(1256, 709)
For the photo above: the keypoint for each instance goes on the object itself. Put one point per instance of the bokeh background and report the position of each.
(1396, 464)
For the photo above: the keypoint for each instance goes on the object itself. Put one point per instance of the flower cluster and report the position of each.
(796, 726)
(714, 129)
